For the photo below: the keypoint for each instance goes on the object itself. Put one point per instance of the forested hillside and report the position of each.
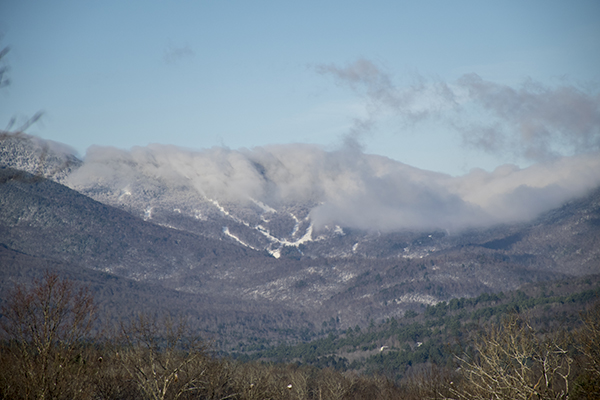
(394, 347)
(543, 345)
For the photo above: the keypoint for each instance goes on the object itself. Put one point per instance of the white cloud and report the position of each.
(533, 121)
(557, 127)
(346, 187)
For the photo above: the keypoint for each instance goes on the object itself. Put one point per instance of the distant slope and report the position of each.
(37, 156)
(130, 265)
(167, 239)
(120, 298)
(396, 346)
(43, 220)
(40, 217)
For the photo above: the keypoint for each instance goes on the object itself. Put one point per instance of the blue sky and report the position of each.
(252, 73)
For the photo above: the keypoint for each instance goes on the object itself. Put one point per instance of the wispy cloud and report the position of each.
(173, 54)
(414, 103)
(533, 121)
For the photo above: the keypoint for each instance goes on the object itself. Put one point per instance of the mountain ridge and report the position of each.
(349, 274)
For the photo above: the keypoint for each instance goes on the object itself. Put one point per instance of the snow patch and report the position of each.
(237, 239)
(417, 298)
(263, 206)
(226, 213)
(275, 253)
(125, 192)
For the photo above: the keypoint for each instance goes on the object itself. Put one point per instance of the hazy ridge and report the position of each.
(254, 242)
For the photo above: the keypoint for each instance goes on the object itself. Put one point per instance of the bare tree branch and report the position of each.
(47, 324)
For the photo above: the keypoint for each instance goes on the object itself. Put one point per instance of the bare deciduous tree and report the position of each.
(428, 382)
(332, 385)
(589, 338)
(3, 68)
(512, 362)
(46, 325)
(588, 343)
(163, 357)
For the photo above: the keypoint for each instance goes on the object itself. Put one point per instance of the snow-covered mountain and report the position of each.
(301, 200)
(37, 156)
(317, 233)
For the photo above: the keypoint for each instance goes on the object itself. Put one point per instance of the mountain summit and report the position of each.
(291, 228)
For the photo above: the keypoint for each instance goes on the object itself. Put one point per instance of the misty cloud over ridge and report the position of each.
(344, 187)
(557, 127)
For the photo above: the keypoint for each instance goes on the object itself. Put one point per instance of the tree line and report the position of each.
(53, 348)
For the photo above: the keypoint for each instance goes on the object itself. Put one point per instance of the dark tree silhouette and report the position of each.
(46, 325)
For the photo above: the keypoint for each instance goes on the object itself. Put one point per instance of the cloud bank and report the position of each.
(345, 187)
(557, 128)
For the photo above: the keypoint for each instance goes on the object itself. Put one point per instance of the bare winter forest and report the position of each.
(54, 348)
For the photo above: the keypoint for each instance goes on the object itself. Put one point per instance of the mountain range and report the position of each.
(246, 248)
